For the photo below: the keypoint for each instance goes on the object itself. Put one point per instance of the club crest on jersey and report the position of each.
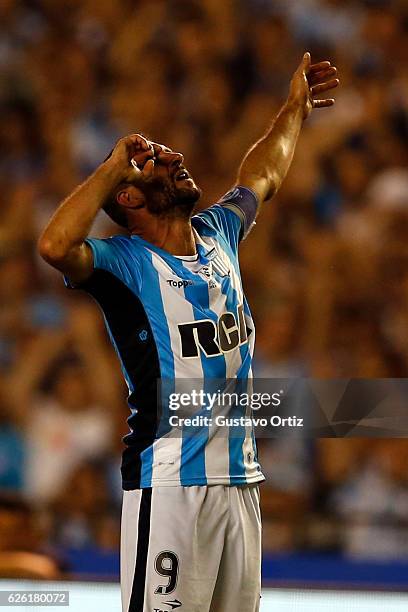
(216, 264)
(214, 337)
(206, 271)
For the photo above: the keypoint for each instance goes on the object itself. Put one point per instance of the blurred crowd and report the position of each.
(325, 269)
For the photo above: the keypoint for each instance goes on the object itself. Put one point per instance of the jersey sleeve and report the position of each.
(233, 215)
(111, 257)
(104, 254)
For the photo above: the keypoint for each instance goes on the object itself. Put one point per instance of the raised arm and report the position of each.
(62, 243)
(267, 162)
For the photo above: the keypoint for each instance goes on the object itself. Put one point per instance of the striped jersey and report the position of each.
(178, 319)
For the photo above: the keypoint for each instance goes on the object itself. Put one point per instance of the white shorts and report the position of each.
(194, 548)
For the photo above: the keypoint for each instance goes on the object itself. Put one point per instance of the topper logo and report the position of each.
(179, 283)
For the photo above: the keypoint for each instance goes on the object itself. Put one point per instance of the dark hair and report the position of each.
(115, 212)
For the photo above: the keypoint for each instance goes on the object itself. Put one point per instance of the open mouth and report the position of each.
(181, 175)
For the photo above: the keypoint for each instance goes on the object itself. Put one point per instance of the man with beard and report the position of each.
(174, 306)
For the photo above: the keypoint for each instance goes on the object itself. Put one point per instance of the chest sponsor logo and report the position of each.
(214, 337)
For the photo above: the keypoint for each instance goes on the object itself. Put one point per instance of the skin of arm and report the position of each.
(62, 242)
(266, 164)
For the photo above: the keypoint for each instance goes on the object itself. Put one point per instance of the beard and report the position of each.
(164, 198)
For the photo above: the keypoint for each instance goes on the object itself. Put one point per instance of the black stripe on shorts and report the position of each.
(143, 531)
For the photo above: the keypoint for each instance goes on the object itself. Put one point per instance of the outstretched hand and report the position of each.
(311, 80)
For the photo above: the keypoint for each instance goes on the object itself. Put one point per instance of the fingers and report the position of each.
(316, 73)
(320, 66)
(306, 62)
(138, 148)
(132, 146)
(320, 79)
(135, 166)
(322, 88)
(312, 69)
(143, 167)
(318, 89)
(322, 75)
(323, 103)
(140, 142)
(313, 80)
(148, 168)
(157, 148)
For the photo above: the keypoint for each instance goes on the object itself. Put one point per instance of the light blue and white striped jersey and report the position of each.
(176, 318)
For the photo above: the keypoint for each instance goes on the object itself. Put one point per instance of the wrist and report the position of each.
(294, 105)
(112, 171)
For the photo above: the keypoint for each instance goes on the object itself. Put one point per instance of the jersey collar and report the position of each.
(205, 252)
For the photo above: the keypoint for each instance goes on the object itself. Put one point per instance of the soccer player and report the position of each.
(174, 306)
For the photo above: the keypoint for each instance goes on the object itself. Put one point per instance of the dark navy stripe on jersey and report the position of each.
(136, 603)
(135, 345)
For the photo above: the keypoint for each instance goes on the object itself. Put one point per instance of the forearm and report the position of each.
(72, 221)
(268, 161)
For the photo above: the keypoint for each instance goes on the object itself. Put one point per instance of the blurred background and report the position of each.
(325, 270)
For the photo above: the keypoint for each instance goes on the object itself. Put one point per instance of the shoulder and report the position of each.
(213, 217)
(233, 215)
(120, 256)
(113, 247)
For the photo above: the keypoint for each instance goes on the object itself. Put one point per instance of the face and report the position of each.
(170, 190)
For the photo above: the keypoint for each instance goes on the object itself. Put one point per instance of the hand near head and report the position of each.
(311, 80)
(133, 156)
